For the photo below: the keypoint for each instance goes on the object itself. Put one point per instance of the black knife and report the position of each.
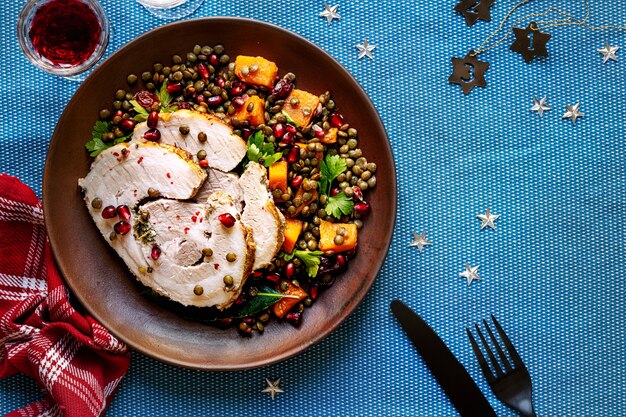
(465, 395)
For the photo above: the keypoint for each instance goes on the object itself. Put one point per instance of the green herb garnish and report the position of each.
(142, 114)
(164, 96)
(96, 144)
(261, 151)
(332, 167)
(339, 205)
(311, 260)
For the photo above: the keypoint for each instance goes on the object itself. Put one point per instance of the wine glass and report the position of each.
(171, 9)
(63, 37)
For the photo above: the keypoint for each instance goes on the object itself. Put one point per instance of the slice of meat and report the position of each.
(224, 149)
(126, 173)
(261, 215)
(228, 182)
(181, 231)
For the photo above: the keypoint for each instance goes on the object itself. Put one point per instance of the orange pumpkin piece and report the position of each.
(265, 75)
(293, 227)
(278, 176)
(256, 116)
(330, 136)
(329, 230)
(302, 112)
(285, 304)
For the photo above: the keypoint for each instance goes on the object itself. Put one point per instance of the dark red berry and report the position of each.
(109, 212)
(174, 88)
(235, 91)
(246, 133)
(203, 71)
(362, 208)
(156, 252)
(282, 88)
(123, 212)
(118, 113)
(146, 99)
(290, 270)
(291, 129)
(227, 220)
(336, 120)
(335, 191)
(294, 154)
(238, 102)
(200, 98)
(127, 125)
(319, 132)
(122, 227)
(214, 60)
(279, 130)
(153, 119)
(220, 82)
(288, 138)
(273, 277)
(204, 163)
(358, 194)
(152, 135)
(341, 260)
(313, 292)
(214, 101)
(296, 181)
(294, 318)
(257, 275)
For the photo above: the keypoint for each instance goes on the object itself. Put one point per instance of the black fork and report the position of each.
(512, 385)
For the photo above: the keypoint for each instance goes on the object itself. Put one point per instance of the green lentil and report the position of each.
(201, 154)
(371, 182)
(228, 280)
(352, 143)
(284, 286)
(202, 137)
(142, 269)
(184, 129)
(231, 257)
(145, 76)
(131, 79)
(208, 252)
(198, 290)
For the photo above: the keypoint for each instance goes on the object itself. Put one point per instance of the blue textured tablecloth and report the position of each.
(553, 272)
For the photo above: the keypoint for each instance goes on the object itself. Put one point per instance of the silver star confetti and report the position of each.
(487, 219)
(420, 241)
(572, 112)
(608, 52)
(272, 387)
(330, 13)
(540, 106)
(470, 274)
(365, 49)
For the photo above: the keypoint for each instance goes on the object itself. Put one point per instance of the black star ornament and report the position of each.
(530, 42)
(468, 72)
(473, 10)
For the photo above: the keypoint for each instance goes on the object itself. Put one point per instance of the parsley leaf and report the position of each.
(339, 205)
(142, 114)
(332, 166)
(261, 151)
(164, 96)
(310, 259)
(96, 144)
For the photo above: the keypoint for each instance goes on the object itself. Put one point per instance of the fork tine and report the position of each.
(492, 358)
(501, 354)
(481, 359)
(517, 361)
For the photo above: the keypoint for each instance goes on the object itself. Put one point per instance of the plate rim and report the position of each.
(352, 303)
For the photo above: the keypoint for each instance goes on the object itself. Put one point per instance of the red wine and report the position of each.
(66, 32)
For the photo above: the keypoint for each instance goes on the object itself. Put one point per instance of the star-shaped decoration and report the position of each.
(420, 241)
(608, 52)
(487, 219)
(540, 106)
(330, 13)
(272, 387)
(572, 112)
(530, 42)
(468, 72)
(470, 274)
(473, 10)
(365, 49)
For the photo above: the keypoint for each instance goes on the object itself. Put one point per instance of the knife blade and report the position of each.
(463, 392)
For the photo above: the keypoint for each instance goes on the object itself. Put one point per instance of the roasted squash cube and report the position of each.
(257, 114)
(329, 230)
(265, 74)
(330, 136)
(293, 228)
(296, 294)
(301, 113)
(278, 176)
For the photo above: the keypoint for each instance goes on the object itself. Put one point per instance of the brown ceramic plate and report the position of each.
(100, 280)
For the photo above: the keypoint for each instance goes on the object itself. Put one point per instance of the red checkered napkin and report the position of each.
(75, 360)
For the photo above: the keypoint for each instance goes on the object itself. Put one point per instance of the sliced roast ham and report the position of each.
(261, 215)
(223, 148)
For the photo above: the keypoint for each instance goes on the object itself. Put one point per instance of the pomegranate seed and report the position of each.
(273, 277)
(291, 129)
(153, 119)
(200, 98)
(146, 99)
(155, 253)
(246, 133)
(214, 101)
(335, 191)
(362, 208)
(248, 320)
(294, 318)
(123, 212)
(358, 193)
(288, 138)
(227, 220)
(319, 132)
(341, 260)
(214, 60)
(122, 227)
(313, 292)
(294, 154)
(336, 120)
(279, 130)
(109, 212)
(282, 88)
(257, 275)
(290, 270)
(118, 113)
(220, 82)
(238, 102)
(203, 163)
(203, 71)
(152, 135)
(174, 88)
(236, 90)
(296, 181)
(127, 125)
(240, 299)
